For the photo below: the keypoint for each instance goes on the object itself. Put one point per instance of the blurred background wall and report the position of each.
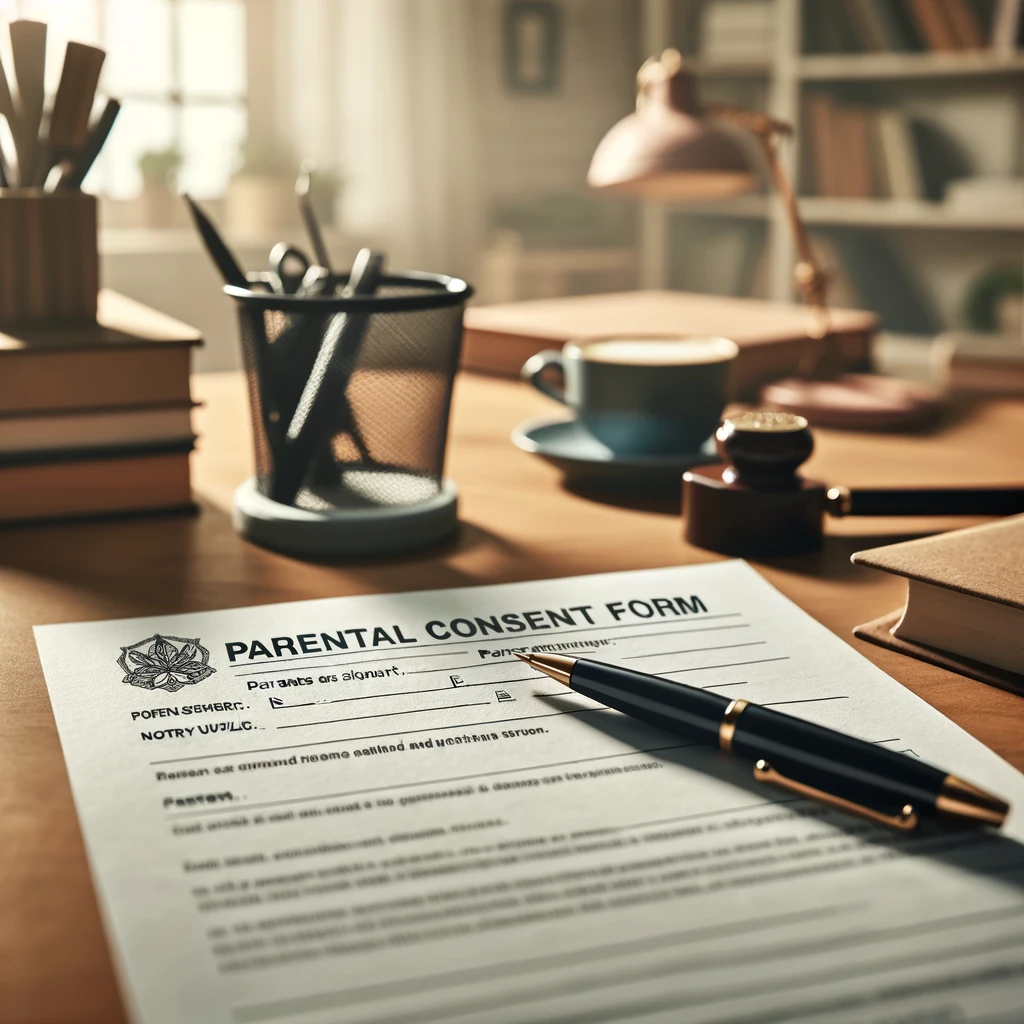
(456, 135)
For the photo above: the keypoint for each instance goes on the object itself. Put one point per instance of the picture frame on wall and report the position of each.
(533, 46)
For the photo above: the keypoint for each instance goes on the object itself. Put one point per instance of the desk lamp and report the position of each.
(670, 150)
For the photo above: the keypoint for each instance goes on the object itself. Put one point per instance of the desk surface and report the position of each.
(518, 523)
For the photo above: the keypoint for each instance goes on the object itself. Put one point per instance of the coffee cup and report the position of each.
(640, 395)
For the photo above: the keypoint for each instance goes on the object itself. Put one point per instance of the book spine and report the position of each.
(932, 24)
(821, 111)
(1006, 27)
(964, 24)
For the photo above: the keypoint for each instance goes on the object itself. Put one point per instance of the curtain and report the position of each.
(407, 128)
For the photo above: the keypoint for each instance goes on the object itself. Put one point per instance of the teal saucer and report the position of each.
(583, 459)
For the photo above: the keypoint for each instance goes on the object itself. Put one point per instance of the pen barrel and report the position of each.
(935, 501)
(841, 765)
(661, 702)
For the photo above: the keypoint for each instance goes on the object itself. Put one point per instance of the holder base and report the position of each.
(377, 531)
(735, 520)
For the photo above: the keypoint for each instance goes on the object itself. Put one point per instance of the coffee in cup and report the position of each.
(641, 395)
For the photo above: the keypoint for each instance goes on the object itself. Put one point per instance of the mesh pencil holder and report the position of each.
(350, 399)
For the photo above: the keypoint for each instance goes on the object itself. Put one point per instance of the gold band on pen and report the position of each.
(966, 802)
(727, 728)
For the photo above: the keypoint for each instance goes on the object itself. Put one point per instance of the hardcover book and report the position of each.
(772, 336)
(965, 601)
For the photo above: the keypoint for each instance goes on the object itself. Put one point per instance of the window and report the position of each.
(179, 69)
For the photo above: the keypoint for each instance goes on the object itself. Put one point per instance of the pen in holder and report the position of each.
(349, 397)
(49, 262)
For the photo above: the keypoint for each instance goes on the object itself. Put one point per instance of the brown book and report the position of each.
(837, 140)
(821, 111)
(965, 601)
(772, 336)
(933, 25)
(116, 483)
(807, 171)
(965, 24)
(131, 356)
(857, 153)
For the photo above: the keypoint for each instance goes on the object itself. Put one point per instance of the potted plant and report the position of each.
(261, 194)
(158, 202)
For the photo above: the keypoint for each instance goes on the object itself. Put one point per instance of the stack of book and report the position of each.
(860, 152)
(941, 26)
(95, 419)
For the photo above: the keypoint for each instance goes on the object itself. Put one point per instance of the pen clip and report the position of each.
(903, 822)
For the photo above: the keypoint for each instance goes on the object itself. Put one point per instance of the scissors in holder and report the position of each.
(289, 265)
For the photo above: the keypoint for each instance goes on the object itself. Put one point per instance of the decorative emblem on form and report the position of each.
(165, 663)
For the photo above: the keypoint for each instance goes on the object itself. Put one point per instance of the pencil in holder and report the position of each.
(49, 259)
(350, 399)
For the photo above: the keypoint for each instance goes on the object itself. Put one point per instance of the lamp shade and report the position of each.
(666, 150)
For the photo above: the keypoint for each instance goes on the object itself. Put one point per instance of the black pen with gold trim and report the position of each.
(820, 764)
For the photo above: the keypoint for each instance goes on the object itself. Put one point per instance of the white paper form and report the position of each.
(367, 810)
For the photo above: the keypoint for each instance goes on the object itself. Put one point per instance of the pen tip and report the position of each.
(528, 658)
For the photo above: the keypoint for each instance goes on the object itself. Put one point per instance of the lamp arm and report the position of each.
(811, 279)
(748, 120)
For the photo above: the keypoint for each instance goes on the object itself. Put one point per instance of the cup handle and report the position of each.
(533, 371)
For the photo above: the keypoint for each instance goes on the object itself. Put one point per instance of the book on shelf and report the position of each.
(827, 29)
(873, 24)
(772, 336)
(1008, 27)
(897, 156)
(737, 30)
(965, 602)
(938, 26)
(965, 23)
(933, 24)
(854, 125)
(861, 152)
(821, 167)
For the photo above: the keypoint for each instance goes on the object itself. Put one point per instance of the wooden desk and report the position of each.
(518, 523)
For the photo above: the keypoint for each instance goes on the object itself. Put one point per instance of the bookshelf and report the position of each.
(871, 213)
(882, 66)
(943, 245)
